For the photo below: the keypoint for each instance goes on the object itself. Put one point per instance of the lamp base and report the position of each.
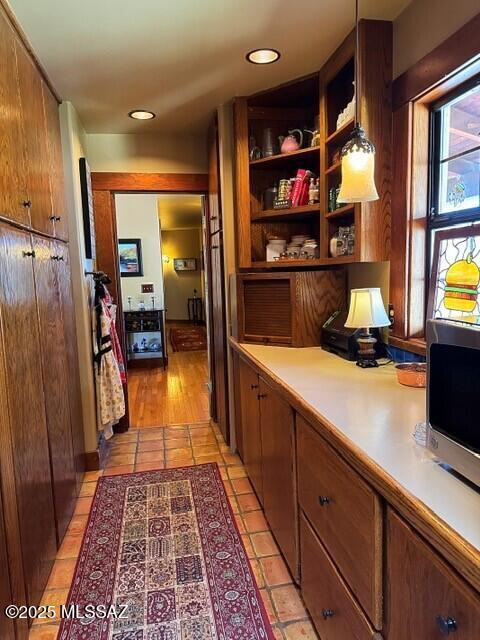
(366, 350)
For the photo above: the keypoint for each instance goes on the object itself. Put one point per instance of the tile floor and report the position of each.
(179, 445)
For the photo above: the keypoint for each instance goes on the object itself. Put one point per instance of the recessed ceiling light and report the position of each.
(141, 114)
(263, 56)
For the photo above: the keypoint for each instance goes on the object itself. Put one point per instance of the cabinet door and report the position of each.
(252, 442)
(35, 141)
(425, 598)
(63, 272)
(13, 185)
(55, 381)
(55, 163)
(6, 625)
(23, 357)
(278, 471)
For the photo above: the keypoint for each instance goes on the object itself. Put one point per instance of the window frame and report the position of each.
(438, 220)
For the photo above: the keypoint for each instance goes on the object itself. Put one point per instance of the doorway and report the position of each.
(162, 287)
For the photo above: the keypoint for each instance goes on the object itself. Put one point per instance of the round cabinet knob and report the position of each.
(28, 254)
(324, 500)
(55, 218)
(254, 386)
(261, 396)
(27, 204)
(327, 613)
(446, 625)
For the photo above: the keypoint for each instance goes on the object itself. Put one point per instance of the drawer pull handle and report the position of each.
(55, 218)
(27, 204)
(446, 625)
(323, 500)
(261, 396)
(28, 254)
(327, 613)
(213, 217)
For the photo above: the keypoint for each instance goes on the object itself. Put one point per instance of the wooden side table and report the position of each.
(195, 310)
(142, 346)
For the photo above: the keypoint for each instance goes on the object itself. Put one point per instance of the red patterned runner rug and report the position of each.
(164, 547)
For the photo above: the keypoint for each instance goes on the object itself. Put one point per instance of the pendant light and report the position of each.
(358, 154)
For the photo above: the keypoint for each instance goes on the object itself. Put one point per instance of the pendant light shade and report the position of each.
(358, 155)
(358, 169)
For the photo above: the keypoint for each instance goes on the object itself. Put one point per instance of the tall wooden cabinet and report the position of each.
(26, 407)
(41, 425)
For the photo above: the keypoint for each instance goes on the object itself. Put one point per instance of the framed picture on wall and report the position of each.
(185, 264)
(87, 209)
(130, 257)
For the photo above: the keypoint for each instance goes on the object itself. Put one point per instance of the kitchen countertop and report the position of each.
(378, 416)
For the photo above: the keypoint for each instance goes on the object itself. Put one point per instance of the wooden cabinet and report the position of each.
(6, 598)
(288, 308)
(214, 203)
(347, 515)
(425, 598)
(334, 611)
(34, 138)
(251, 434)
(58, 212)
(26, 402)
(278, 472)
(64, 282)
(13, 185)
(55, 381)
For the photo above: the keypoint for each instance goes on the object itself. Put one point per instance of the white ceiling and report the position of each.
(178, 211)
(179, 58)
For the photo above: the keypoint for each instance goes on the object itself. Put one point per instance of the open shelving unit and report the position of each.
(319, 97)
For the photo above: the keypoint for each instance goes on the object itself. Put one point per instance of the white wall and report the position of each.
(137, 217)
(425, 24)
(146, 153)
(73, 144)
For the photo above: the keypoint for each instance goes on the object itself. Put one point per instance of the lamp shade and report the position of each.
(366, 309)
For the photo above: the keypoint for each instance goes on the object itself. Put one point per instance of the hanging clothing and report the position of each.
(110, 398)
(117, 349)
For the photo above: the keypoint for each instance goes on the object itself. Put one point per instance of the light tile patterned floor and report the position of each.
(180, 445)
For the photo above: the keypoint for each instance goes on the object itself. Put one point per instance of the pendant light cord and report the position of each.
(357, 49)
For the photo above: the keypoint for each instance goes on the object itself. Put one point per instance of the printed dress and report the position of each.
(110, 398)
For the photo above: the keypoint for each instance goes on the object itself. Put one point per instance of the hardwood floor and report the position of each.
(177, 395)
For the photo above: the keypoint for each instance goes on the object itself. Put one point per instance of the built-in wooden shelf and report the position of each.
(342, 132)
(291, 264)
(333, 168)
(341, 211)
(286, 157)
(285, 214)
(339, 260)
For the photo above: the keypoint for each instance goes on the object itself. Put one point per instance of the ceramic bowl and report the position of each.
(412, 374)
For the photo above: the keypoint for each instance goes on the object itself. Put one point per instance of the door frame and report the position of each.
(105, 185)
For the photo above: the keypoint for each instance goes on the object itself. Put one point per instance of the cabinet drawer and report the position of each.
(424, 596)
(334, 611)
(347, 515)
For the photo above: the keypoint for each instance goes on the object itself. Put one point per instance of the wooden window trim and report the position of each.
(444, 69)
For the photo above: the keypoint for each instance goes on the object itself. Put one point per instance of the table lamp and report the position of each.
(366, 312)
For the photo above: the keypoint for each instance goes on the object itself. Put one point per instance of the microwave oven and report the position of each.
(453, 395)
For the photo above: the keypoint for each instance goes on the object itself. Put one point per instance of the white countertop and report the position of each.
(378, 415)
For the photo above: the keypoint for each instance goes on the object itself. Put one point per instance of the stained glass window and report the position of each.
(455, 282)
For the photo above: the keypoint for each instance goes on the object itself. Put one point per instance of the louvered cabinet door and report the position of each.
(34, 135)
(63, 271)
(13, 185)
(266, 311)
(23, 375)
(55, 163)
(55, 380)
